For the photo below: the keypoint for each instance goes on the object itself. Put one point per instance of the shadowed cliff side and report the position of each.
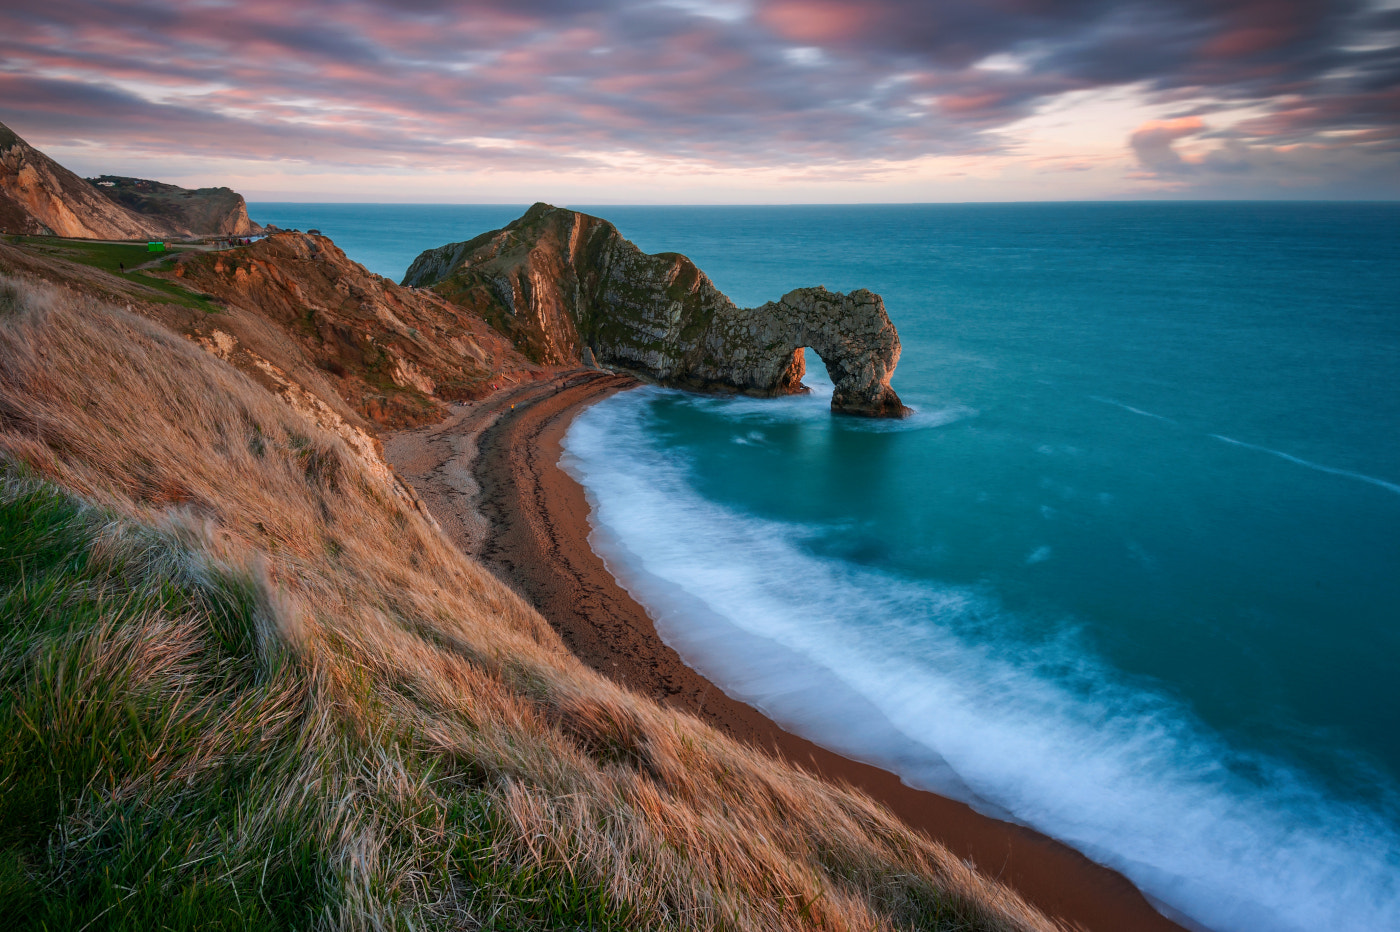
(566, 286)
(197, 212)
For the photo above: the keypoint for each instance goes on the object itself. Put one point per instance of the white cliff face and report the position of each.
(562, 284)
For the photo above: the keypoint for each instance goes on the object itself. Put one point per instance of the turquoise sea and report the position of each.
(1131, 573)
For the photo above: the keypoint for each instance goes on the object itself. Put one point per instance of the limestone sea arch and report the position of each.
(567, 287)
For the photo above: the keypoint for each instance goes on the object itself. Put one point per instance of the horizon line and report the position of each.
(969, 203)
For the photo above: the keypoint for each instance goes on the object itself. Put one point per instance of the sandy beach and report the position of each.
(490, 475)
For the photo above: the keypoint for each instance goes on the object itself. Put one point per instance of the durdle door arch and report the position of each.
(859, 346)
(559, 282)
(851, 333)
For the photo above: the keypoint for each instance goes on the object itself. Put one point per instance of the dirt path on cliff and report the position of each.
(490, 476)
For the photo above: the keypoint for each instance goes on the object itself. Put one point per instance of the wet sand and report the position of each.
(490, 475)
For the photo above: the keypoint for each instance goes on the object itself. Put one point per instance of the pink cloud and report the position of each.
(819, 22)
(1153, 142)
(368, 81)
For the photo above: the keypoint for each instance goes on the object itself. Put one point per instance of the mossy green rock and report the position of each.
(560, 283)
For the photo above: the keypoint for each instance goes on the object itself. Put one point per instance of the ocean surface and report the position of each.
(1131, 573)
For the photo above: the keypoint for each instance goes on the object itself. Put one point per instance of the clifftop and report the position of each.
(198, 212)
(568, 287)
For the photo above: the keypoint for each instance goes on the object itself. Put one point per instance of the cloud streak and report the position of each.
(817, 86)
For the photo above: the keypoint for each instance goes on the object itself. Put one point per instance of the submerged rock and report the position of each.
(567, 287)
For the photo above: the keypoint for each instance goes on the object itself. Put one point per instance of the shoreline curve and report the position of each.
(490, 475)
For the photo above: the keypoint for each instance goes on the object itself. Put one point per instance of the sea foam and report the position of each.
(914, 677)
(1331, 470)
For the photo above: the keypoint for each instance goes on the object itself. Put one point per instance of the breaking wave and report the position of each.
(917, 678)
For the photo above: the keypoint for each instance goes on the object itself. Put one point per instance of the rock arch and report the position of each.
(566, 287)
(856, 341)
(758, 351)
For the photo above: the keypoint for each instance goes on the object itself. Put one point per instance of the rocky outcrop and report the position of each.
(759, 351)
(296, 304)
(567, 287)
(181, 211)
(40, 196)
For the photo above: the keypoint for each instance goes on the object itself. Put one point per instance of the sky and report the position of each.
(715, 101)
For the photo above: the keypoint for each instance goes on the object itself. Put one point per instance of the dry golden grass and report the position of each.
(468, 768)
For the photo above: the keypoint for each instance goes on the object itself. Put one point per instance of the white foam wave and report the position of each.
(813, 407)
(1389, 486)
(912, 677)
(1125, 407)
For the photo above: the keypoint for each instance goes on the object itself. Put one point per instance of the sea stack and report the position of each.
(559, 283)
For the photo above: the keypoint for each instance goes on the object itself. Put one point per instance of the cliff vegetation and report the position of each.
(246, 683)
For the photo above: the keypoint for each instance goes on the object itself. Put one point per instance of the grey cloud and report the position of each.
(895, 81)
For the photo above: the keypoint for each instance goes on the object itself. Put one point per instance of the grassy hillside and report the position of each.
(121, 260)
(245, 683)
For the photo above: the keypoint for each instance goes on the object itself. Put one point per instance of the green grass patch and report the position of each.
(162, 765)
(122, 259)
(512, 896)
(110, 257)
(150, 754)
(174, 293)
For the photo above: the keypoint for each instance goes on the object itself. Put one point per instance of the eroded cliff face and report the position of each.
(180, 211)
(759, 351)
(565, 286)
(40, 196)
(300, 311)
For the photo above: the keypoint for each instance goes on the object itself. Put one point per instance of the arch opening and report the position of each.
(817, 377)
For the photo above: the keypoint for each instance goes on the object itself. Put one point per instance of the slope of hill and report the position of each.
(38, 195)
(396, 355)
(181, 211)
(245, 683)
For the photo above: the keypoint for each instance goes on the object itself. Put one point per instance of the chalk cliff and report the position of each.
(40, 196)
(566, 286)
(181, 211)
